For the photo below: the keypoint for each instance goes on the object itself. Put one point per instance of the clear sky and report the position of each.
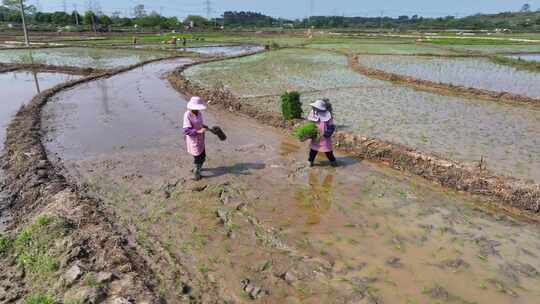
(301, 8)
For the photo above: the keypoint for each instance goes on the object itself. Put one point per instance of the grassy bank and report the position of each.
(532, 66)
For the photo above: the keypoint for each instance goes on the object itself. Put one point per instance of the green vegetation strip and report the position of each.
(532, 66)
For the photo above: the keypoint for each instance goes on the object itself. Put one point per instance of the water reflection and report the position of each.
(104, 97)
(38, 90)
(288, 148)
(317, 199)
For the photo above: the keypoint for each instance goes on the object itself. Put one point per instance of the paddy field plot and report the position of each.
(479, 73)
(19, 87)
(98, 58)
(375, 47)
(275, 72)
(499, 49)
(527, 57)
(454, 127)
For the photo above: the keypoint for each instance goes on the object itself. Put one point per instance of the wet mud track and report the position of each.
(22, 86)
(262, 227)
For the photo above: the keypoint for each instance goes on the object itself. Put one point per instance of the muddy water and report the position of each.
(356, 234)
(80, 57)
(477, 73)
(17, 89)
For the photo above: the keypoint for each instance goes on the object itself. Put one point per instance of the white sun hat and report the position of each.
(196, 103)
(322, 114)
(320, 105)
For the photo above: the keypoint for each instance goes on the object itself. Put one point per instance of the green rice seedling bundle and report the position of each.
(307, 131)
(291, 107)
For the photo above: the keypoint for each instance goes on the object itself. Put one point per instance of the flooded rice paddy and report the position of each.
(19, 88)
(499, 49)
(275, 72)
(370, 47)
(454, 127)
(478, 73)
(111, 100)
(233, 50)
(98, 58)
(359, 233)
(527, 57)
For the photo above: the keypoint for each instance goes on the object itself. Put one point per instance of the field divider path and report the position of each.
(73, 70)
(94, 243)
(440, 88)
(471, 178)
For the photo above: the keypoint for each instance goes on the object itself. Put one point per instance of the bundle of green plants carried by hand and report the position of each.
(307, 131)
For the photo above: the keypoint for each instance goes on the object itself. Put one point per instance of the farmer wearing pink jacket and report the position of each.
(321, 115)
(194, 131)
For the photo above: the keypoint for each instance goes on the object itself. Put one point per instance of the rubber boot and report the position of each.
(197, 172)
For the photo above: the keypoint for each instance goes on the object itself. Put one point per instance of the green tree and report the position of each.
(90, 19)
(60, 18)
(197, 20)
(105, 20)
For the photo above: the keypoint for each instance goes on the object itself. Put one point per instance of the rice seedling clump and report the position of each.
(291, 107)
(307, 131)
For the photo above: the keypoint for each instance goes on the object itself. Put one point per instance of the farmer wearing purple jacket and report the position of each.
(321, 115)
(194, 131)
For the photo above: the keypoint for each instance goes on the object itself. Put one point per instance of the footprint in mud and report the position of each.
(363, 290)
(501, 287)
(487, 247)
(515, 271)
(252, 290)
(394, 262)
(454, 264)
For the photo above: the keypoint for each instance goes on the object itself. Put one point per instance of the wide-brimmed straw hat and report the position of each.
(320, 105)
(322, 114)
(196, 103)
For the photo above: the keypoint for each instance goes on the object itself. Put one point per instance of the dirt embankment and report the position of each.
(9, 67)
(470, 178)
(61, 243)
(440, 88)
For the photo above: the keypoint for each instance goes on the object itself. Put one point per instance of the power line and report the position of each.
(64, 5)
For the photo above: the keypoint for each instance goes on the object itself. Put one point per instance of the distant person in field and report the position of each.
(321, 115)
(194, 131)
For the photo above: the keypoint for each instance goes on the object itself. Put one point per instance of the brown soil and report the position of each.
(470, 178)
(261, 227)
(440, 88)
(216, 242)
(5, 67)
(91, 246)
